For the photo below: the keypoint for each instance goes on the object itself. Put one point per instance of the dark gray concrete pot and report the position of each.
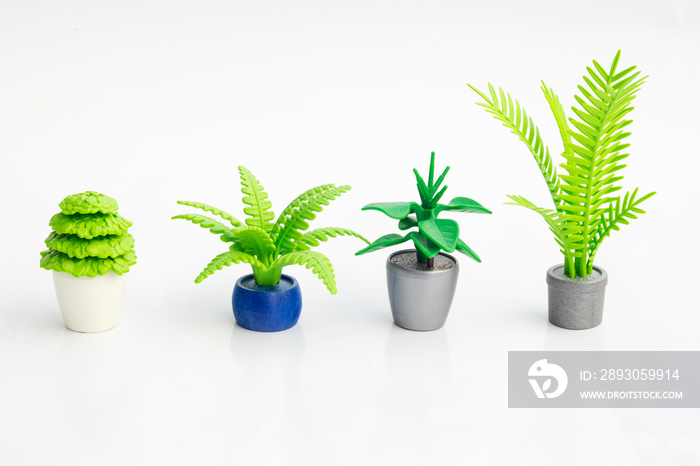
(420, 299)
(576, 304)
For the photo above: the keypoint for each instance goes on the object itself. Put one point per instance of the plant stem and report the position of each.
(430, 263)
(269, 277)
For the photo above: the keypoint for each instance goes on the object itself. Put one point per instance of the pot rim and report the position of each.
(566, 281)
(434, 271)
(69, 275)
(267, 289)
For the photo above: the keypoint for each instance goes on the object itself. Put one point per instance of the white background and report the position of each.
(151, 102)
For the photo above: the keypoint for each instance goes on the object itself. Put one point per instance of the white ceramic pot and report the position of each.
(90, 304)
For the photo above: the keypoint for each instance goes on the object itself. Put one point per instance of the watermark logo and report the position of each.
(546, 372)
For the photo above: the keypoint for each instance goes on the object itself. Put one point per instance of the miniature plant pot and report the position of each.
(90, 304)
(266, 308)
(420, 299)
(576, 304)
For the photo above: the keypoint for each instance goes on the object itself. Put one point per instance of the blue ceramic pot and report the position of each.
(266, 308)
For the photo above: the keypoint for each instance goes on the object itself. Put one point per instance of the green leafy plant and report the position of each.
(585, 211)
(89, 237)
(433, 234)
(269, 246)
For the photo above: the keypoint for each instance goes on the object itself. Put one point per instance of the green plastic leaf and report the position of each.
(86, 267)
(254, 241)
(384, 242)
(255, 197)
(408, 222)
(224, 260)
(319, 235)
(594, 141)
(90, 238)
(207, 208)
(443, 232)
(89, 226)
(101, 247)
(287, 231)
(514, 117)
(205, 222)
(317, 262)
(424, 244)
(466, 250)
(395, 210)
(89, 202)
(463, 204)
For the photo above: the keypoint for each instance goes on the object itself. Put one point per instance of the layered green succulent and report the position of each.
(270, 246)
(585, 211)
(89, 237)
(433, 234)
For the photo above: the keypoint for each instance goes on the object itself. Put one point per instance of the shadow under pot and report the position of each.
(266, 308)
(420, 299)
(576, 303)
(90, 304)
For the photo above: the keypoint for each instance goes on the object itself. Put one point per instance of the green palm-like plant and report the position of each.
(585, 211)
(433, 234)
(268, 247)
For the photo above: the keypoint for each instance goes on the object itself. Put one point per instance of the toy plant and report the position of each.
(89, 251)
(585, 209)
(269, 246)
(424, 306)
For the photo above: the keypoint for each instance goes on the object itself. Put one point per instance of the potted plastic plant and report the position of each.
(267, 300)
(422, 281)
(585, 210)
(89, 252)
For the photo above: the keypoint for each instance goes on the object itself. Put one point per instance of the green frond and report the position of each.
(203, 221)
(256, 242)
(559, 117)
(255, 197)
(597, 128)
(207, 208)
(317, 262)
(618, 213)
(566, 233)
(519, 123)
(294, 219)
(224, 260)
(319, 235)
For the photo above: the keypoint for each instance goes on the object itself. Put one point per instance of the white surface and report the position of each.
(90, 304)
(151, 102)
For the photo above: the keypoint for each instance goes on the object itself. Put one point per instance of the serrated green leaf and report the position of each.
(317, 262)
(224, 260)
(258, 210)
(205, 222)
(207, 208)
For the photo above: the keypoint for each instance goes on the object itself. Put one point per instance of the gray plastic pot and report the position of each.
(420, 299)
(576, 303)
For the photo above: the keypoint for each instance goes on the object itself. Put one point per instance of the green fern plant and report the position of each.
(585, 209)
(270, 246)
(433, 234)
